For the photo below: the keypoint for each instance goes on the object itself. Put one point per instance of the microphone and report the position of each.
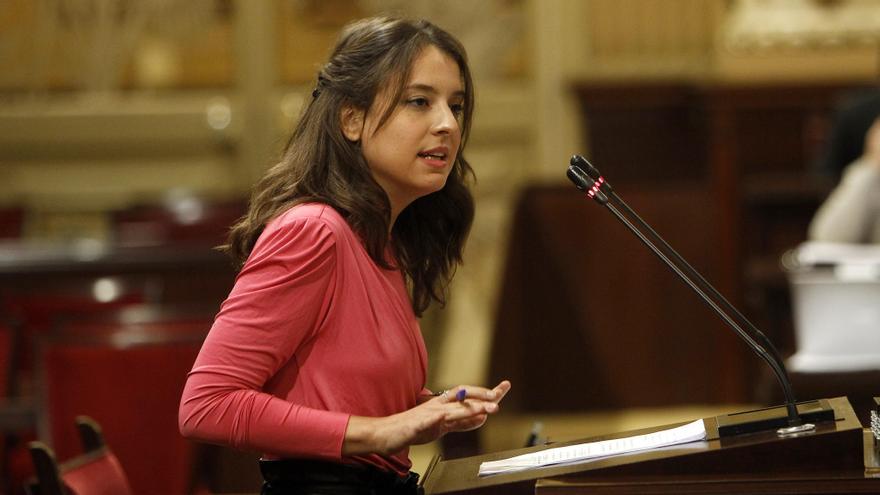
(589, 171)
(588, 179)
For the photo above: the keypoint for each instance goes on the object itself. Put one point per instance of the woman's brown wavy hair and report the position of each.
(320, 165)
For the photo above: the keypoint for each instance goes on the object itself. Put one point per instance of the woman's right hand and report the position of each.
(424, 423)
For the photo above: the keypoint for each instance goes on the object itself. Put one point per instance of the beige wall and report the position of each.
(62, 148)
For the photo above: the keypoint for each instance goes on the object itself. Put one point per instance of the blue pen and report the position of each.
(459, 396)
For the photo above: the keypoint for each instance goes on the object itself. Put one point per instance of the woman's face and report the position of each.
(412, 154)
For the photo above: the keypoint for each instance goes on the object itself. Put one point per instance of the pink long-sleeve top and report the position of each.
(312, 332)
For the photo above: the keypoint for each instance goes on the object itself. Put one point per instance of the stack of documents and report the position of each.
(690, 432)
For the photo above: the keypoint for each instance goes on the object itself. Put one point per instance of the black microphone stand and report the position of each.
(588, 179)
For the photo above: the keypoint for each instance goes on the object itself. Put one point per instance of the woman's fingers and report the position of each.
(501, 390)
(467, 424)
(468, 409)
(462, 392)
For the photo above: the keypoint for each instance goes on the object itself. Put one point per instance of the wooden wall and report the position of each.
(589, 319)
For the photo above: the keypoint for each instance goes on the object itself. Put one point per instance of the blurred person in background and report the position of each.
(851, 214)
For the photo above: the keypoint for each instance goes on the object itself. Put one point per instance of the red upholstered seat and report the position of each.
(37, 308)
(95, 472)
(7, 341)
(11, 222)
(181, 219)
(129, 378)
(103, 475)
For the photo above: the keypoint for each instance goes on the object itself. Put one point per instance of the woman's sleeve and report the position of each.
(279, 298)
(848, 213)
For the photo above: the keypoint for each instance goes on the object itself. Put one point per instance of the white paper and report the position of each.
(683, 434)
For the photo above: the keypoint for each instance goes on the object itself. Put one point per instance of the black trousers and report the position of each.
(309, 477)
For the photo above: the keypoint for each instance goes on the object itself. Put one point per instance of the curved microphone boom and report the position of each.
(588, 179)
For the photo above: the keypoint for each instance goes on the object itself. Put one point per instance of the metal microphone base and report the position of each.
(791, 431)
(772, 418)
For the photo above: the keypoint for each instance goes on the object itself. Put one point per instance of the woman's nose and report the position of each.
(446, 121)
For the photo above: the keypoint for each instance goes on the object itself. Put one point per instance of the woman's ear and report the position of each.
(352, 121)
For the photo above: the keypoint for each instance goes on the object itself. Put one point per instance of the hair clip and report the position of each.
(319, 85)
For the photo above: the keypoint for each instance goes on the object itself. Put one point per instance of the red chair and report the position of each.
(189, 316)
(17, 416)
(95, 472)
(8, 341)
(37, 308)
(11, 222)
(32, 307)
(129, 377)
(182, 219)
(10, 422)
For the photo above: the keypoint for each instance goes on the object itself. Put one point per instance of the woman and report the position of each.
(316, 358)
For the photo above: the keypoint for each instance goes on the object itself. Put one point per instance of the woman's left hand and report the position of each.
(470, 405)
(462, 408)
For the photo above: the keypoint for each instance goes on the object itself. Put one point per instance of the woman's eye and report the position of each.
(457, 109)
(418, 102)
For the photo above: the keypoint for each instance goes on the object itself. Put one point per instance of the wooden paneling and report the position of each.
(589, 318)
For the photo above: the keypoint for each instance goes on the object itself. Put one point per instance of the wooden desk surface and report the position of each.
(836, 482)
(834, 452)
(825, 483)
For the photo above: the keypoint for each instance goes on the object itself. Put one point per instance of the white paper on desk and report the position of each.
(674, 436)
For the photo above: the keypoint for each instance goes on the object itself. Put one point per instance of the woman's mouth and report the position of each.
(435, 157)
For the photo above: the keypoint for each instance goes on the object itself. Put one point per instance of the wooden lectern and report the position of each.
(838, 457)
